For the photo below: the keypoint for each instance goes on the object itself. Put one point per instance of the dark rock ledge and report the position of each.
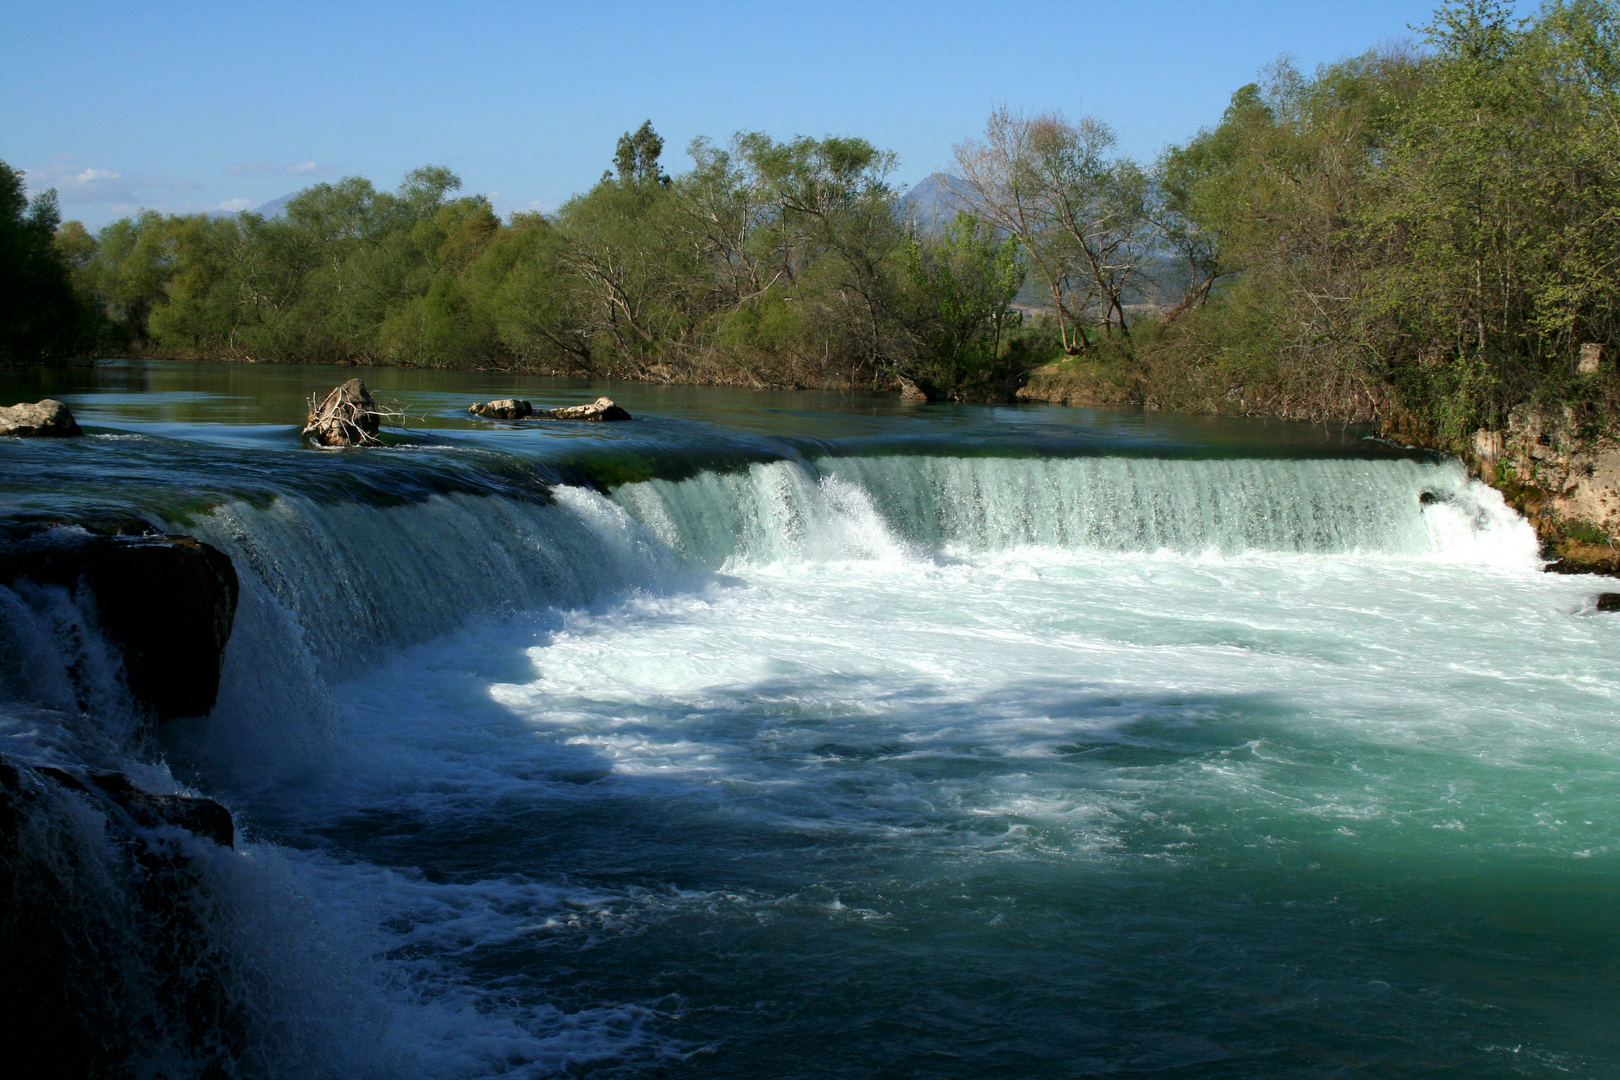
(165, 602)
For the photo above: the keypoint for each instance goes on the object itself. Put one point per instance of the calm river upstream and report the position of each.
(807, 735)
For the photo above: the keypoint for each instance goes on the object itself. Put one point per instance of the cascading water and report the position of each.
(850, 762)
(864, 507)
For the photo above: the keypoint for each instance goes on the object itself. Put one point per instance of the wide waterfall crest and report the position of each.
(880, 507)
(328, 586)
(363, 577)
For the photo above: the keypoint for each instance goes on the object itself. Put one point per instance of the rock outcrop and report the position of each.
(40, 420)
(1566, 482)
(346, 416)
(165, 602)
(107, 939)
(502, 409)
(602, 408)
(129, 805)
(1608, 601)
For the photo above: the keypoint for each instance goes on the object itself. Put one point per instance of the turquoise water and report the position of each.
(797, 735)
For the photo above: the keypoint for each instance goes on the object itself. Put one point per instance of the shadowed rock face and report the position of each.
(42, 419)
(166, 603)
(104, 939)
(145, 809)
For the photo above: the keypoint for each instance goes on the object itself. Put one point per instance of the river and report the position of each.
(807, 735)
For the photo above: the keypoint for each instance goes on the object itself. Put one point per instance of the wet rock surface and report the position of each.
(104, 939)
(502, 409)
(38, 420)
(165, 602)
(147, 810)
(603, 408)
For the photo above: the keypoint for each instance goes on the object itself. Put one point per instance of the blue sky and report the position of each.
(219, 106)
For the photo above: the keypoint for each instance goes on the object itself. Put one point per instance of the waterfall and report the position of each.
(328, 584)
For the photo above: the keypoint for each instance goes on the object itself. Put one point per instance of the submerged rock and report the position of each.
(502, 409)
(345, 417)
(1608, 601)
(166, 603)
(602, 408)
(40, 420)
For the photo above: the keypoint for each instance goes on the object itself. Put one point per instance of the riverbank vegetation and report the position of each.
(1423, 237)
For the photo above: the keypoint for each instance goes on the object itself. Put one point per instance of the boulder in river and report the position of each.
(602, 408)
(502, 409)
(1608, 601)
(345, 417)
(911, 390)
(165, 602)
(37, 420)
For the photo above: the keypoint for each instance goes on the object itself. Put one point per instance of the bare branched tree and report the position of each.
(1081, 216)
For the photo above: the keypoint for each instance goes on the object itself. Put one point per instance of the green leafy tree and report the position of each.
(40, 319)
(968, 278)
(636, 156)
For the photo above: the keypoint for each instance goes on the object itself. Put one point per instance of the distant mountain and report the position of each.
(276, 207)
(933, 202)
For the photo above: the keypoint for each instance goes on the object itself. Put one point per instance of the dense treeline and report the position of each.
(1425, 237)
(764, 262)
(41, 319)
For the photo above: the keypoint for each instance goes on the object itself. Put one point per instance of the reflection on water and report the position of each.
(143, 394)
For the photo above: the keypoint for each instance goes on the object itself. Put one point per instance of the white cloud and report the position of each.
(232, 206)
(265, 168)
(75, 184)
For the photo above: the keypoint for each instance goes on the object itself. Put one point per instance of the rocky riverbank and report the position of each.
(1566, 481)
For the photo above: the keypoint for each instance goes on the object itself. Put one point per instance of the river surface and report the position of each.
(808, 735)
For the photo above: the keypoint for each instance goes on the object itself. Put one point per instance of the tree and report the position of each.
(40, 319)
(968, 278)
(833, 234)
(1082, 218)
(636, 157)
(1496, 212)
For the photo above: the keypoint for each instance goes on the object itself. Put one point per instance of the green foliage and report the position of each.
(967, 280)
(1426, 238)
(636, 157)
(41, 320)
(766, 261)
